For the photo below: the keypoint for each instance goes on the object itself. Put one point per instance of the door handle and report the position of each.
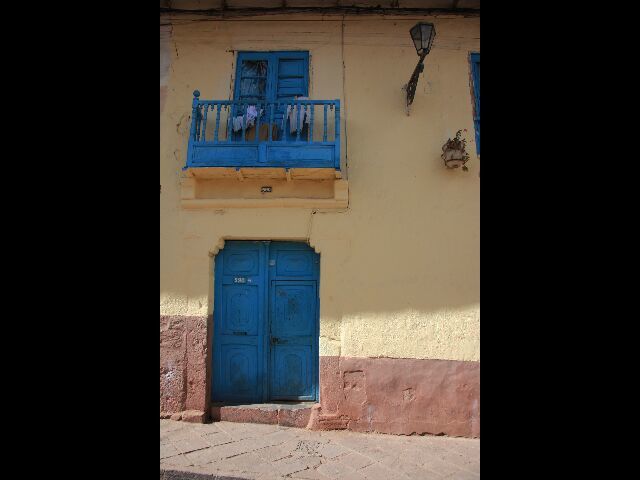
(277, 341)
(239, 333)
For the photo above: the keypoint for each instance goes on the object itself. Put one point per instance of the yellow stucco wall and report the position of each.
(399, 267)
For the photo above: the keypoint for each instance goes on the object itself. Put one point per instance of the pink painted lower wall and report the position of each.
(399, 396)
(386, 395)
(185, 356)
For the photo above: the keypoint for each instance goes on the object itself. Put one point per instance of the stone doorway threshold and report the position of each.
(286, 414)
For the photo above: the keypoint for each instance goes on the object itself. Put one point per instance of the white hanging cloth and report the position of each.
(251, 115)
(298, 113)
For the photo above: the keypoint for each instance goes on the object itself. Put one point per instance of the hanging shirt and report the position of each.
(237, 123)
(251, 115)
(298, 113)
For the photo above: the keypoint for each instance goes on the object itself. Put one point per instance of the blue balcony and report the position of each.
(241, 134)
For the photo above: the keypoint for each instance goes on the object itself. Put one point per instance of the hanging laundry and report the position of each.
(298, 113)
(251, 115)
(237, 123)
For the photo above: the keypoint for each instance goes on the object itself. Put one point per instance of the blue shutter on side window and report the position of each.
(475, 71)
(291, 80)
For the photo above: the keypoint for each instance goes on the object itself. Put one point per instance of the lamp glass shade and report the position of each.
(422, 35)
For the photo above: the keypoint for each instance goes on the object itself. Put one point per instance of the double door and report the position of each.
(265, 334)
(274, 78)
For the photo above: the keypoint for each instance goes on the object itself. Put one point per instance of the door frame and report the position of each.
(266, 350)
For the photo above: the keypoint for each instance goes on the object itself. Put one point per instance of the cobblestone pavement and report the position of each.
(253, 451)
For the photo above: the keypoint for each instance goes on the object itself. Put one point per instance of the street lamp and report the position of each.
(422, 35)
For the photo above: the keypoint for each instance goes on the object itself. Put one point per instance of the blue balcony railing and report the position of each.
(232, 133)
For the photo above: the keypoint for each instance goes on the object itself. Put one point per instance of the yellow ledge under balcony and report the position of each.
(230, 187)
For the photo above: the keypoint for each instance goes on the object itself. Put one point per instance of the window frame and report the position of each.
(273, 58)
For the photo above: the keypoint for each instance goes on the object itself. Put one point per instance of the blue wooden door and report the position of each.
(265, 322)
(239, 322)
(272, 77)
(293, 313)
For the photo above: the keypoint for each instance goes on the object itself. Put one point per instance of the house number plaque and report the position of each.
(265, 189)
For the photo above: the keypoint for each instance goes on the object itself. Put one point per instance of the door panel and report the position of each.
(239, 323)
(293, 263)
(294, 308)
(291, 376)
(245, 261)
(240, 310)
(293, 328)
(239, 370)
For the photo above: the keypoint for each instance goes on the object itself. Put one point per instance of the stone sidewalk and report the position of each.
(226, 450)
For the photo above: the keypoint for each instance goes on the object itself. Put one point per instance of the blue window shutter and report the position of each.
(292, 75)
(290, 80)
(272, 77)
(475, 71)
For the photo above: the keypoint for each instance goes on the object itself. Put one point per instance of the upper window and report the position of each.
(272, 77)
(475, 75)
